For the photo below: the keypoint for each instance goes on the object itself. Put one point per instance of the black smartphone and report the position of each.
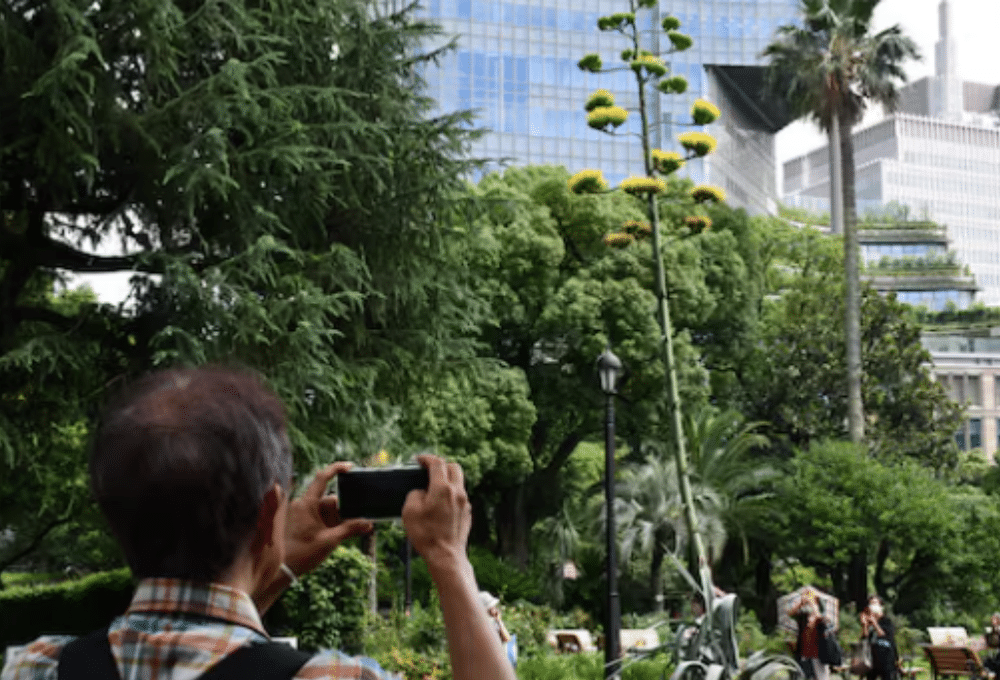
(378, 493)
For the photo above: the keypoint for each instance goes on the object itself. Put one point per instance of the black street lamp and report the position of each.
(609, 367)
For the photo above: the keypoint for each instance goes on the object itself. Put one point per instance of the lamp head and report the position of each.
(609, 368)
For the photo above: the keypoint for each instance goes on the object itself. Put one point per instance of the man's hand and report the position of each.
(438, 520)
(313, 528)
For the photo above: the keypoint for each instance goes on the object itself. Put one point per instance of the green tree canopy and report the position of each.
(270, 175)
(559, 294)
(794, 384)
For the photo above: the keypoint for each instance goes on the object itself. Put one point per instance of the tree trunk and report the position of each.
(852, 321)
(369, 545)
(857, 579)
(480, 534)
(836, 179)
(512, 527)
(656, 575)
(766, 591)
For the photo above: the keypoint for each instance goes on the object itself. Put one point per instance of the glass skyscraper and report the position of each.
(515, 65)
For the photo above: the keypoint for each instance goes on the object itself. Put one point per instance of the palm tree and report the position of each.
(829, 69)
(650, 511)
(727, 487)
(722, 458)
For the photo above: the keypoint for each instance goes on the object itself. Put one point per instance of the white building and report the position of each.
(939, 156)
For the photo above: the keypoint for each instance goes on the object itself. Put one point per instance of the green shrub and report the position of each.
(326, 609)
(413, 645)
(590, 666)
(71, 607)
(530, 623)
(506, 582)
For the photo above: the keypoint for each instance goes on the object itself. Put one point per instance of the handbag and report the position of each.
(861, 662)
(830, 651)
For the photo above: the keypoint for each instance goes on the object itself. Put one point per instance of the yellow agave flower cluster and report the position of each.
(652, 63)
(698, 223)
(588, 181)
(704, 112)
(637, 228)
(666, 162)
(637, 185)
(698, 143)
(619, 239)
(603, 116)
(632, 231)
(599, 98)
(704, 193)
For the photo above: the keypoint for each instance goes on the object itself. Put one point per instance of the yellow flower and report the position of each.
(587, 182)
(704, 112)
(599, 98)
(602, 116)
(698, 143)
(643, 185)
(698, 223)
(666, 161)
(705, 192)
(618, 240)
(637, 228)
(651, 63)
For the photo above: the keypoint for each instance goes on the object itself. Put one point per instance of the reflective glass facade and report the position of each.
(516, 66)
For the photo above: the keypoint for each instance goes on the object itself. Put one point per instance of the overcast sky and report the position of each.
(975, 25)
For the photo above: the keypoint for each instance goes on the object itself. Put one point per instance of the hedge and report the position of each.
(325, 609)
(69, 608)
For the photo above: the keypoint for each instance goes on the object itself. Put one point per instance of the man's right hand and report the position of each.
(438, 520)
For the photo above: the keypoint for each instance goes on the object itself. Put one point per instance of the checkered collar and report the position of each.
(171, 596)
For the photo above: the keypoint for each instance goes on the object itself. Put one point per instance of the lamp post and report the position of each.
(609, 367)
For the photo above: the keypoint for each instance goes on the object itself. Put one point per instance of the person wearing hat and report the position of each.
(490, 603)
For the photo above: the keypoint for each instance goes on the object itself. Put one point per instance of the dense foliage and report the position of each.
(270, 177)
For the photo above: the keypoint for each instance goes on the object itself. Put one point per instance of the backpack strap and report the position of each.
(90, 658)
(261, 661)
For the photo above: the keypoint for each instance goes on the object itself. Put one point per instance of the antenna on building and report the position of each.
(947, 83)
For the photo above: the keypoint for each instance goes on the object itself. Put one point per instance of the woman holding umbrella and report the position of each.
(811, 634)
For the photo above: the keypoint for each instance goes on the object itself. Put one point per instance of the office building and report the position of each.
(939, 156)
(912, 259)
(968, 366)
(516, 65)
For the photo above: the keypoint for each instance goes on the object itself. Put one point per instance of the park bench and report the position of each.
(953, 661)
(571, 640)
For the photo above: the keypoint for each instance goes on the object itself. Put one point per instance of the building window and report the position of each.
(975, 433)
(973, 391)
(964, 389)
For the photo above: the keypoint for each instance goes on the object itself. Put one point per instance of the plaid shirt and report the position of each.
(177, 630)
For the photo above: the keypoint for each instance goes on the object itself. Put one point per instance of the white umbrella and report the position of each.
(829, 608)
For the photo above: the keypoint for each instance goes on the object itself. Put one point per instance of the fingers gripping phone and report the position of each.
(378, 493)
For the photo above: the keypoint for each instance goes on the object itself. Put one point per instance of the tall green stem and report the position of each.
(667, 348)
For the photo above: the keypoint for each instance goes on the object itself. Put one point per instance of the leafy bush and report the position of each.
(530, 623)
(506, 582)
(71, 607)
(590, 666)
(326, 609)
(413, 645)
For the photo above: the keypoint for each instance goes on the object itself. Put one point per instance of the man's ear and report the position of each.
(269, 526)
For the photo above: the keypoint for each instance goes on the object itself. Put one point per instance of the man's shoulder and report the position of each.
(335, 664)
(35, 660)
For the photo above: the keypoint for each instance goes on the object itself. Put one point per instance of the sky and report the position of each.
(974, 27)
